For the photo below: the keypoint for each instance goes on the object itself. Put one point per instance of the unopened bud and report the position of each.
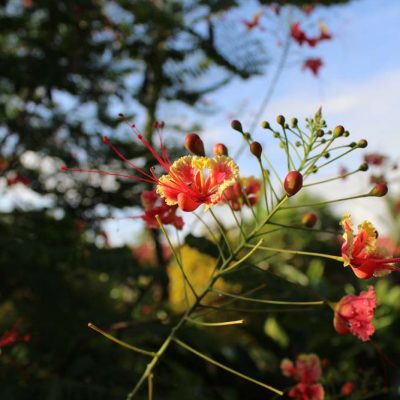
(346, 134)
(280, 119)
(247, 135)
(293, 183)
(362, 143)
(320, 133)
(276, 135)
(353, 144)
(265, 125)
(256, 149)
(327, 155)
(309, 220)
(379, 190)
(220, 149)
(194, 144)
(363, 167)
(237, 126)
(338, 131)
(294, 122)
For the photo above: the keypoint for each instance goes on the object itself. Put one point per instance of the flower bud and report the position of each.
(362, 143)
(220, 149)
(276, 135)
(338, 131)
(194, 144)
(265, 125)
(379, 190)
(294, 122)
(237, 126)
(256, 149)
(320, 133)
(280, 119)
(309, 220)
(363, 167)
(293, 183)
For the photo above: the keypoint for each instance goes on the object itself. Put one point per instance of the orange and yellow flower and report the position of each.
(361, 252)
(193, 181)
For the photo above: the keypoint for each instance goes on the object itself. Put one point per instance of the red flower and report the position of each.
(13, 336)
(374, 159)
(353, 314)
(361, 252)
(297, 33)
(307, 368)
(347, 388)
(254, 22)
(313, 64)
(188, 183)
(154, 205)
(245, 191)
(303, 391)
(193, 181)
(18, 179)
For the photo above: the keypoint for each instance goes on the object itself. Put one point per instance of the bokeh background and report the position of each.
(73, 248)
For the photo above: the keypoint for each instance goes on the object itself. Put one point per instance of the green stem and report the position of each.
(196, 303)
(222, 230)
(120, 342)
(176, 256)
(297, 252)
(240, 261)
(322, 203)
(226, 368)
(331, 179)
(263, 301)
(212, 324)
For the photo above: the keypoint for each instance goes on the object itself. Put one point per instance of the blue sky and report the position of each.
(359, 87)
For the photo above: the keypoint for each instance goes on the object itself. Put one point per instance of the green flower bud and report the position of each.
(338, 131)
(362, 143)
(280, 119)
(363, 167)
(294, 122)
(265, 125)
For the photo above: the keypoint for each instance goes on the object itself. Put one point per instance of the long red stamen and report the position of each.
(385, 260)
(163, 162)
(102, 172)
(123, 158)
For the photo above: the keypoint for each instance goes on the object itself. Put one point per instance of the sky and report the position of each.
(358, 87)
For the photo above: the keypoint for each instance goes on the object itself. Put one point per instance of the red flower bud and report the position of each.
(256, 149)
(220, 149)
(379, 190)
(309, 220)
(194, 144)
(293, 183)
(237, 126)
